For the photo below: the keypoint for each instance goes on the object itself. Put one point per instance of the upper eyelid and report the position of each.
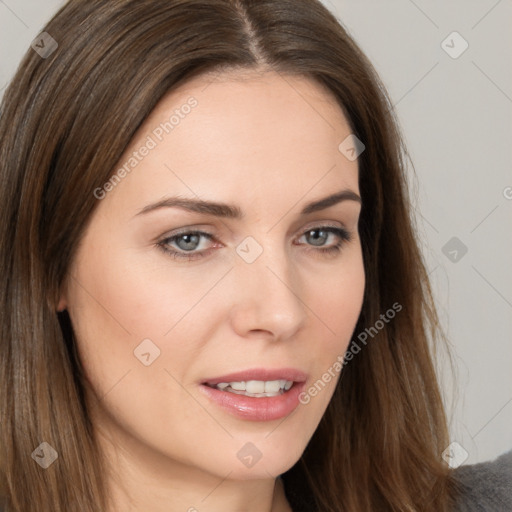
(313, 225)
(213, 237)
(206, 231)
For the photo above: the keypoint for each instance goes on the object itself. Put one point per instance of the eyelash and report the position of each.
(342, 233)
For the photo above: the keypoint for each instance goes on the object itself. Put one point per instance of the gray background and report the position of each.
(455, 114)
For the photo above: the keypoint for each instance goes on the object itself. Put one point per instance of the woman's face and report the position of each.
(169, 299)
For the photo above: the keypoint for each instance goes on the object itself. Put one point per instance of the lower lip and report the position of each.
(251, 408)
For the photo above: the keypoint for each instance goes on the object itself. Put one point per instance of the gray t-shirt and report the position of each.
(487, 486)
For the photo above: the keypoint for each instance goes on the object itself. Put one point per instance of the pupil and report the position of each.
(321, 238)
(193, 239)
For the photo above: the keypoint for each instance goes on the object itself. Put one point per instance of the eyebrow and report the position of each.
(234, 212)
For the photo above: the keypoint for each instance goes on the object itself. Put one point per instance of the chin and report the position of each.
(261, 456)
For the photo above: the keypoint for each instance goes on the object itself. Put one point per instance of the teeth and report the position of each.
(272, 386)
(257, 388)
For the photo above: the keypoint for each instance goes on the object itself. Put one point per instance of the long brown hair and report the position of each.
(67, 118)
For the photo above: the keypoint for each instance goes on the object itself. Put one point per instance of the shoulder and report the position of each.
(486, 486)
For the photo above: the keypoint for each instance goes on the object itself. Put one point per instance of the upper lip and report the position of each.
(263, 374)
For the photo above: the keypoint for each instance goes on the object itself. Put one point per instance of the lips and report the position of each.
(259, 394)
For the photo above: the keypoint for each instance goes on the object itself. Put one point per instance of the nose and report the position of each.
(268, 296)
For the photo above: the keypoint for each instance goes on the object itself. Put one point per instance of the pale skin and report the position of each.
(267, 143)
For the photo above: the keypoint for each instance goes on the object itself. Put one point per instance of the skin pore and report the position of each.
(267, 144)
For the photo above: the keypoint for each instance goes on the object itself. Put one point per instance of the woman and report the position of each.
(214, 296)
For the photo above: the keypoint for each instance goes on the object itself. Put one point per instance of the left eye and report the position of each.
(188, 242)
(326, 231)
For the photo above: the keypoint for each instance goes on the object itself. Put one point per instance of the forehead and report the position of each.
(256, 107)
(242, 135)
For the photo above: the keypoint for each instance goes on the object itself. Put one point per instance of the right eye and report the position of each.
(185, 244)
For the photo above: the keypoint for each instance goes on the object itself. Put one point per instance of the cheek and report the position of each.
(141, 327)
(338, 301)
(138, 341)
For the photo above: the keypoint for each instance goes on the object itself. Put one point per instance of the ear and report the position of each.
(62, 305)
(63, 301)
